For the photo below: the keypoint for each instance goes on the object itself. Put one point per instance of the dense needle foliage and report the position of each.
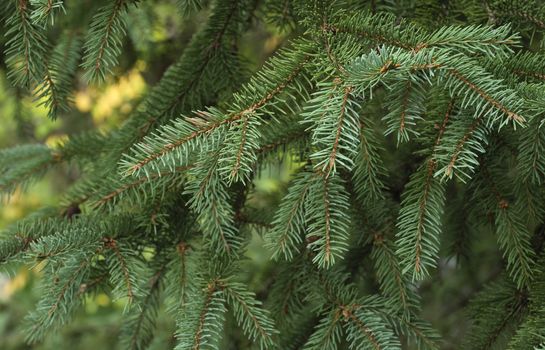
(412, 130)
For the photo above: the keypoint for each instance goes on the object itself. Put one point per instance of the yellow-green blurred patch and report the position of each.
(14, 284)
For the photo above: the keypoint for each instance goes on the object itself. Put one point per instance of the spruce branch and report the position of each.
(530, 156)
(369, 170)
(200, 324)
(137, 332)
(193, 80)
(386, 29)
(22, 165)
(188, 7)
(288, 226)
(364, 115)
(326, 209)
(509, 308)
(512, 234)
(521, 10)
(418, 332)
(419, 222)
(25, 47)
(406, 104)
(393, 283)
(327, 334)
(209, 199)
(181, 271)
(365, 330)
(185, 134)
(54, 92)
(112, 190)
(255, 321)
(62, 299)
(377, 28)
(333, 115)
(124, 266)
(514, 241)
(103, 42)
(45, 11)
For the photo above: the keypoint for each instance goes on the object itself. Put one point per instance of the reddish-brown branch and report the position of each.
(443, 126)
(240, 151)
(486, 97)
(112, 244)
(327, 225)
(422, 213)
(143, 130)
(139, 181)
(254, 319)
(461, 144)
(292, 215)
(215, 125)
(211, 289)
(404, 106)
(348, 314)
(336, 142)
(536, 75)
(362, 34)
(154, 283)
(109, 25)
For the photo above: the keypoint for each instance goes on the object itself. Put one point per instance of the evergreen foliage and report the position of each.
(407, 126)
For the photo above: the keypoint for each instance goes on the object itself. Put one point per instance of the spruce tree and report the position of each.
(411, 129)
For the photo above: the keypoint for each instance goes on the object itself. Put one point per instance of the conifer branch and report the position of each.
(209, 126)
(104, 40)
(393, 283)
(182, 192)
(335, 150)
(54, 91)
(61, 300)
(287, 231)
(510, 305)
(200, 326)
(510, 114)
(406, 106)
(189, 6)
(327, 333)
(25, 47)
(348, 314)
(333, 113)
(137, 333)
(512, 234)
(34, 161)
(460, 146)
(325, 213)
(191, 85)
(254, 321)
(126, 186)
(368, 168)
(182, 250)
(376, 37)
(126, 275)
(45, 10)
(210, 201)
(420, 216)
